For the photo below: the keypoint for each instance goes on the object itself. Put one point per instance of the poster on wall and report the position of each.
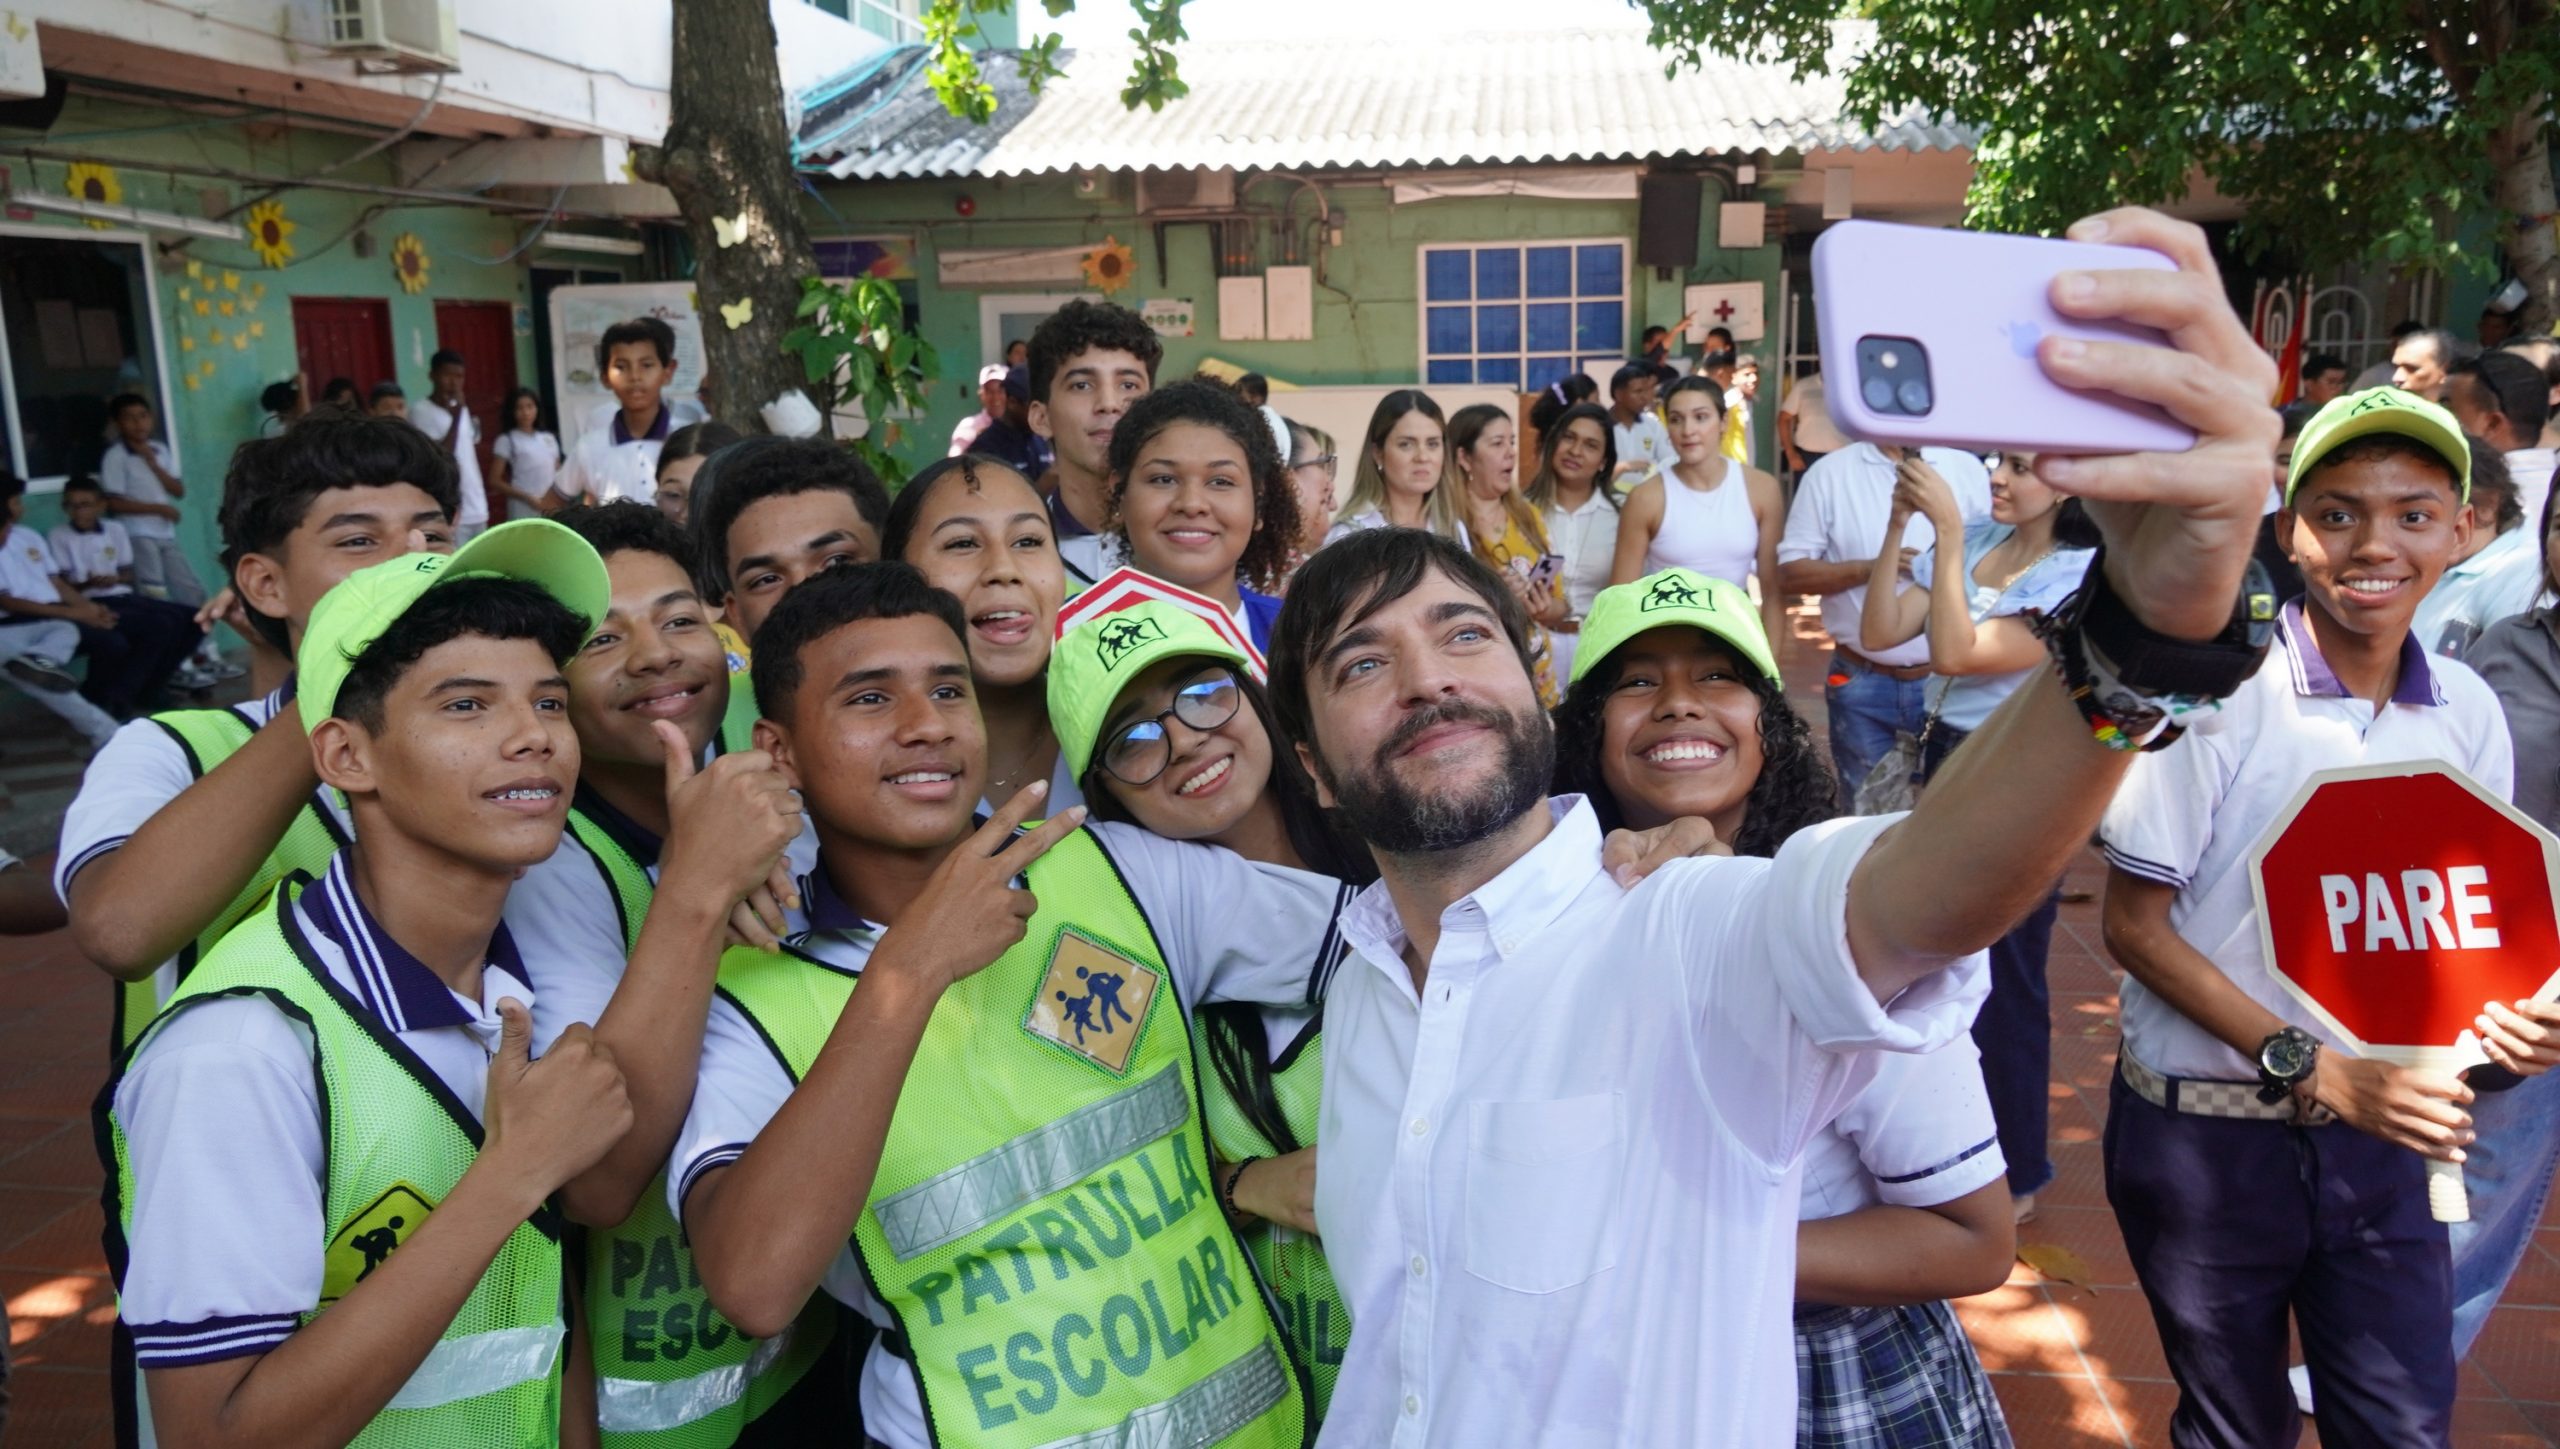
(579, 315)
(1169, 316)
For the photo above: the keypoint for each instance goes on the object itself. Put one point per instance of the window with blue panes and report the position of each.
(1522, 314)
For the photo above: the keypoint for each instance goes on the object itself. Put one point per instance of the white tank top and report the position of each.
(1712, 531)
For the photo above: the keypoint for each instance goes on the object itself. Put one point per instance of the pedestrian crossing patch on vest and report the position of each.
(1093, 1002)
(365, 1243)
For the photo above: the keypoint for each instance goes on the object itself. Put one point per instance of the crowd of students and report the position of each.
(1147, 950)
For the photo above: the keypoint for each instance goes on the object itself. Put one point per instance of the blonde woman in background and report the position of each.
(1312, 471)
(1403, 478)
(1484, 447)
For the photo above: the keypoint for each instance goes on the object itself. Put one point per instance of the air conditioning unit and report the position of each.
(394, 36)
(1185, 191)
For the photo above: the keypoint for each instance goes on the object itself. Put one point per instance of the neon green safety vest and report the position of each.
(671, 1373)
(396, 1144)
(1292, 1262)
(1042, 1227)
(208, 737)
(738, 723)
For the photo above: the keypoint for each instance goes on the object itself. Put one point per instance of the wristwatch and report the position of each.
(2159, 665)
(2284, 1059)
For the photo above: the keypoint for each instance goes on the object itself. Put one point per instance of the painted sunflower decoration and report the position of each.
(92, 181)
(409, 262)
(271, 233)
(1109, 266)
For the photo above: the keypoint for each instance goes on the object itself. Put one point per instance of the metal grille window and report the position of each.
(1521, 314)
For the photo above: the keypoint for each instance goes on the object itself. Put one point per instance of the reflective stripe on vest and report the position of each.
(670, 1372)
(207, 737)
(395, 1144)
(1042, 1227)
(1313, 1316)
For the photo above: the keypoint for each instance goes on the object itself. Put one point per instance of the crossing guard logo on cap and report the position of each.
(1118, 638)
(1670, 592)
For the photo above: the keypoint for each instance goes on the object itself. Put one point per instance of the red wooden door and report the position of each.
(343, 337)
(485, 334)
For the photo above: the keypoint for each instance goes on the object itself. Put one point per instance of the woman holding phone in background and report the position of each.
(1484, 445)
(1707, 512)
(1581, 516)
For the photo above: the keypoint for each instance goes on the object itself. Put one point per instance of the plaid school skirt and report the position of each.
(1891, 1378)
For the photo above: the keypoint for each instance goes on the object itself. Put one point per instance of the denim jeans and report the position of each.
(1867, 710)
(2508, 1174)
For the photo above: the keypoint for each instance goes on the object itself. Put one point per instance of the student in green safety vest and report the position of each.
(1002, 1163)
(331, 1157)
(186, 819)
(622, 928)
(773, 512)
(1177, 737)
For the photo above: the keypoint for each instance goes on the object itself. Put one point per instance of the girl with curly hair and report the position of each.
(1676, 709)
(1201, 498)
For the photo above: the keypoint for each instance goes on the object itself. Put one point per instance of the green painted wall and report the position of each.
(220, 409)
(1367, 306)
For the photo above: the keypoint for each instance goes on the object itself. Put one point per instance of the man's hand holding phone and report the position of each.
(2179, 526)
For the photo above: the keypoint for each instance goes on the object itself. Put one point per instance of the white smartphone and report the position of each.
(1929, 338)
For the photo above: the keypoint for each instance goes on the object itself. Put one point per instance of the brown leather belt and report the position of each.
(1903, 672)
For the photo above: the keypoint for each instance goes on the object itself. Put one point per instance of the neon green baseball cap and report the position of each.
(2379, 410)
(1096, 659)
(351, 616)
(1673, 596)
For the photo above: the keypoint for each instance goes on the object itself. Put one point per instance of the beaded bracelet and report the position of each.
(1227, 1189)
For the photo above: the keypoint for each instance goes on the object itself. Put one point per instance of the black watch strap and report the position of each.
(2158, 664)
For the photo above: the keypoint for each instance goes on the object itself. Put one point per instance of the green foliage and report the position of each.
(2355, 129)
(854, 344)
(949, 25)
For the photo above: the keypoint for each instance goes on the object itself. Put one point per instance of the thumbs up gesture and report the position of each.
(547, 1121)
(728, 825)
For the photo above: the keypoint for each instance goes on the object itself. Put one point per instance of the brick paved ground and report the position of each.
(2077, 1363)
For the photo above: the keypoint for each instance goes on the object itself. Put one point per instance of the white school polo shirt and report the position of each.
(1842, 505)
(100, 555)
(1919, 1135)
(125, 476)
(141, 769)
(608, 463)
(222, 1116)
(1231, 930)
(564, 914)
(26, 567)
(2500, 581)
(1558, 1187)
(429, 417)
(2188, 816)
(1644, 441)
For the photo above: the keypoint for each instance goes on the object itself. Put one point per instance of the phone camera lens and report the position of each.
(1913, 394)
(1879, 394)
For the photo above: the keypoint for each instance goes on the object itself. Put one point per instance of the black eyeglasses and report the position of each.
(1321, 460)
(1140, 750)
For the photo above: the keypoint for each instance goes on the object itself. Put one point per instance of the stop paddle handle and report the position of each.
(2447, 1198)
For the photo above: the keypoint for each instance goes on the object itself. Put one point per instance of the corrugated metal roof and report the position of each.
(1334, 102)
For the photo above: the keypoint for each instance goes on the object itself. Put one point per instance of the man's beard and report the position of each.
(1394, 817)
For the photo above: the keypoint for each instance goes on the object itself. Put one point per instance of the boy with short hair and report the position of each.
(617, 455)
(2256, 1175)
(388, 401)
(623, 930)
(41, 619)
(330, 1158)
(186, 819)
(1088, 362)
(152, 637)
(1644, 445)
(143, 488)
(777, 512)
(444, 417)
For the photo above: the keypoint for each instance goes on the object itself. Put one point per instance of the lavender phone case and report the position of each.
(1977, 302)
